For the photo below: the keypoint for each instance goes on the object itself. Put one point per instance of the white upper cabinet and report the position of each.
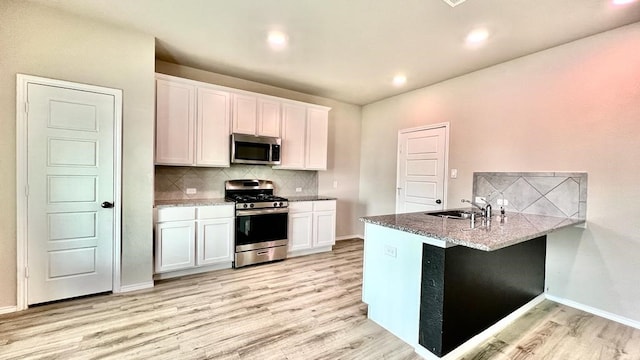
(317, 138)
(175, 123)
(304, 137)
(212, 143)
(192, 123)
(245, 114)
(268, 117)
(293, 136)
(255, 115)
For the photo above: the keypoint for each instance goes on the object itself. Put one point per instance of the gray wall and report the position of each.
(573, 108)
(36, 40)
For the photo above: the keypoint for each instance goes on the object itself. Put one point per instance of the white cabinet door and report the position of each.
(244, 114)
(268, 117)
(317, 137)
(212, 143)
(312, 224)
(300, 231)
(324, 228)
(215, 241)
(175, 121)
(175, 245)
(293, 136)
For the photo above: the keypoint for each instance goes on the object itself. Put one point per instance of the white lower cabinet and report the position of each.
(312, 226)
(212, 241)
(175, 245)
(324, 228)
(191, 238)
(300, 225)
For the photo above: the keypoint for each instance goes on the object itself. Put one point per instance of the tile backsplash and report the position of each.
(540, 193)
(172, 182)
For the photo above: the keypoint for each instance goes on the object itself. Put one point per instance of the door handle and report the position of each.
(438, 201)
(107, 205)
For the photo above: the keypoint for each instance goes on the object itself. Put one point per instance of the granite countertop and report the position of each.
(517, 228)
(191, 202)
(309, 198)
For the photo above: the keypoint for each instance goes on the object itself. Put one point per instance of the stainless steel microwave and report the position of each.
(250, 149)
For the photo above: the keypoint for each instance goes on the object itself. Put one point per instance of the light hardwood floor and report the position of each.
(302, 308)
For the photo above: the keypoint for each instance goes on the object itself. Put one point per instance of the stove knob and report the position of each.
(245, 206)
(275, 204)
(251, 205)
(281, 204)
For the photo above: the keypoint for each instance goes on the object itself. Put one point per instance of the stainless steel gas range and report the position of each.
(261, 222)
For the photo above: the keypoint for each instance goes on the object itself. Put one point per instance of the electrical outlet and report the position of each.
(390, 251)
(191, 191)
(335, 184)
(454, 173)
(503, 202)
(299, 189)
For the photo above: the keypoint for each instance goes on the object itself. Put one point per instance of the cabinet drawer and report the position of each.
(214, 212)
(324, 205)
(300, 206)
(179, 213)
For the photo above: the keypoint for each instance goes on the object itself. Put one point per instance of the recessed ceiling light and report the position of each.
(477, 37)
(622, 2)
(277, 39)
(399, 80)
(454, 3)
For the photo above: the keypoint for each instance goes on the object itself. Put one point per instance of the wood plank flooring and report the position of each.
(554, 331)
(302, 308)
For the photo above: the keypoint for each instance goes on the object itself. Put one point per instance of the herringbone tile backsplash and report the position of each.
(172, 182)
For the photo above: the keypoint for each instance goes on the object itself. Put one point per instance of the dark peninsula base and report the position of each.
(482, 287)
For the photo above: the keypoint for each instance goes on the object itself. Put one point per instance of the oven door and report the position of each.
(257, 229)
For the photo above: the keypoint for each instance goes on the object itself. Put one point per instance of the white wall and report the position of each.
(36, 40)
(575, 107)
(344, 140)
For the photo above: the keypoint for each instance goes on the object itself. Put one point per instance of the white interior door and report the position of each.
(421, 169)
(71, 191)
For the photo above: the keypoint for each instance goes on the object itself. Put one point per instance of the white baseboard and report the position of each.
(483, 336)
(8, 309)
(192, 271)
(135, 287)
(309, 251)
(349, 237)
(591, 310)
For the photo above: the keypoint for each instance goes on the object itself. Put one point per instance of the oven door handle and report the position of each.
(262, 211)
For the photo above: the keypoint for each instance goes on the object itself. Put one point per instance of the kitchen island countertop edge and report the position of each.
(516, 228)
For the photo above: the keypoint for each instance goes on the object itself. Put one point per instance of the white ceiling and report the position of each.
(350, 50)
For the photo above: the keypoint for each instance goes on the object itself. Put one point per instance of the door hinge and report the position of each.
(26, 272)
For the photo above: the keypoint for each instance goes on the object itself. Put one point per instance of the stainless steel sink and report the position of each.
(453, 214)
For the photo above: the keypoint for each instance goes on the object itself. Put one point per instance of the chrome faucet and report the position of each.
(486, 210)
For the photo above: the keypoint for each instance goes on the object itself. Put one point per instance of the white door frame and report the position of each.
(446, 126)
(22, 176)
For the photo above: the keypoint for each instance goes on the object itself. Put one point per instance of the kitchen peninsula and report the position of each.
(436, 283)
